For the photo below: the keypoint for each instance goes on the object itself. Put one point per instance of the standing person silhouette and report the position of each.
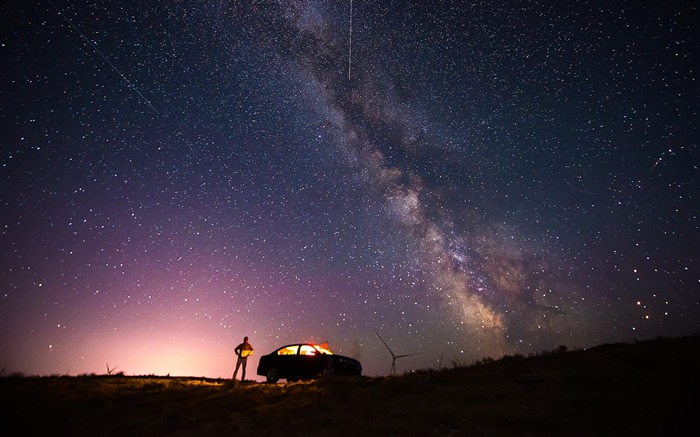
(243, 350)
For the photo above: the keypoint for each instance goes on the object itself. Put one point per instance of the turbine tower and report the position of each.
(394, 357)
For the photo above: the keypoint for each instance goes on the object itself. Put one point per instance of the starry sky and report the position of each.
(466, 178)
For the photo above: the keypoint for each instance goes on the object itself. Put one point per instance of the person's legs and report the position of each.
(238, 364)
(245, 364)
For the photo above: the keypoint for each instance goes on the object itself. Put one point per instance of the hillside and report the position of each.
(642, 389)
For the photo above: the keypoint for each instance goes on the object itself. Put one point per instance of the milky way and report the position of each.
(468, 179)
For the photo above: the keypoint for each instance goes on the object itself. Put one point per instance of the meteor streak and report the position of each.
(350, 52)
(131, 85)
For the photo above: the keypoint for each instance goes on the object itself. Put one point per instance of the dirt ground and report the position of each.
(641, 389)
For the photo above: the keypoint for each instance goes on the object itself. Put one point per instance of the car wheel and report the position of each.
(272, 375)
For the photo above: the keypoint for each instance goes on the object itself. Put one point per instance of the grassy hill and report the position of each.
(641, 389)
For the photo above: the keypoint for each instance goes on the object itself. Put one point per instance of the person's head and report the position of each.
(245, 339)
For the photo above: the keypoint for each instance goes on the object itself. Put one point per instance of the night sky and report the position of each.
(468, 179)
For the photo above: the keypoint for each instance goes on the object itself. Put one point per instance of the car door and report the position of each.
(311, 361)
(298, 365)
(286, 361)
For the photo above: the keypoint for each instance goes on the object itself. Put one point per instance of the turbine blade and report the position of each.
(387, 346)
(407, 355)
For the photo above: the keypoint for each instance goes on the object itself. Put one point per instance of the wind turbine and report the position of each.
(393, 356)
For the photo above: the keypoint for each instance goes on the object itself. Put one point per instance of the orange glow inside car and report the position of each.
(289, 350)
(304, 349)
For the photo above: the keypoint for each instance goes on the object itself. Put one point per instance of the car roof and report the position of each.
(314, 345)
(296, 344)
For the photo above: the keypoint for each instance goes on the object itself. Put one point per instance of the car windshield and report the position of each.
(323, 350)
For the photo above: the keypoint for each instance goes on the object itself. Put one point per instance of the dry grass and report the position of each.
(646, 388)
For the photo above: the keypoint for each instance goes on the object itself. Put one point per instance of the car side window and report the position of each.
(307, 350)
(289, 350)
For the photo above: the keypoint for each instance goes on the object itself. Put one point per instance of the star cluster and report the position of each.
(468, 179)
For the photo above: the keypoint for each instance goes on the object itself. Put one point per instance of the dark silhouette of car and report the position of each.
(305, 361)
